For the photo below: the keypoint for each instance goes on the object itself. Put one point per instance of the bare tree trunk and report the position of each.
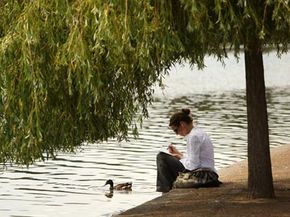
(260, 180)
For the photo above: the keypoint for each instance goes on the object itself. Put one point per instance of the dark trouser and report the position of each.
(167, 171)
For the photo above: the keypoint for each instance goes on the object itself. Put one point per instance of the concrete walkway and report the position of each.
(230, 199)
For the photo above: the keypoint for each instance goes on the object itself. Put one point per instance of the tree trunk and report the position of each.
(260, 180)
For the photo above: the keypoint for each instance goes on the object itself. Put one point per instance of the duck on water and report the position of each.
(127, 186)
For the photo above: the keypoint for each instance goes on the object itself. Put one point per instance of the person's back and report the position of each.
(199, 149)
(206, 150)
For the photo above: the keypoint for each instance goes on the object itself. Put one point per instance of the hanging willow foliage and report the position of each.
(80, 70)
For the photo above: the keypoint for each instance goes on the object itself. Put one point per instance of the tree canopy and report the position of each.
(83, 70)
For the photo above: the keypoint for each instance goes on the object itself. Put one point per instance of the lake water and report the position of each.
(72, 184)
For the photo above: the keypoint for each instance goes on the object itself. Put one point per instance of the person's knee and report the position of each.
(161, 157)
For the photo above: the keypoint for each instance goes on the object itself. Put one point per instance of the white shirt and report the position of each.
(199, 151)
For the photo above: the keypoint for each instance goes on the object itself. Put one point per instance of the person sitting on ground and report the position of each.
(197, 163)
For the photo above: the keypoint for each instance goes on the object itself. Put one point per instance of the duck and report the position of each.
(127, 186)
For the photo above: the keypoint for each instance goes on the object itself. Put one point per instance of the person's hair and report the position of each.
(183, 115)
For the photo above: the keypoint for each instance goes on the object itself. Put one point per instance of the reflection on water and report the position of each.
(73, 184)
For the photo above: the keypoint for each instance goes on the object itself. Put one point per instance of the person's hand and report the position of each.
(172, 149)
(174, 152)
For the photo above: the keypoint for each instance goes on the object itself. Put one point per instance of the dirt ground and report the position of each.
(231, 199)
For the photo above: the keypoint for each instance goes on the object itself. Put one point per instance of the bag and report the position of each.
(197, 178)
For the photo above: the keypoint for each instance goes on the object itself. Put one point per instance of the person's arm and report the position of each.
(174, 152)
(193, 152)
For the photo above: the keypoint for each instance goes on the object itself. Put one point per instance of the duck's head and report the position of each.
(110, 182)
